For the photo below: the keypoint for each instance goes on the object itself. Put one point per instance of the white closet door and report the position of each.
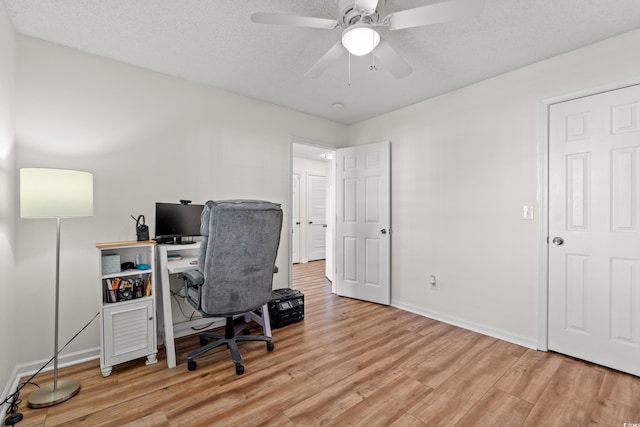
(295, 226)
(594, 234)
(316, 217)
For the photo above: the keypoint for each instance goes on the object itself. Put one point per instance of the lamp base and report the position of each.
(45, 396)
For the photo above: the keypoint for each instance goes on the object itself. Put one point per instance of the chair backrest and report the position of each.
(238, 254)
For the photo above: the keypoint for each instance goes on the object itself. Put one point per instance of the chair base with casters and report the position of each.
(231, 338)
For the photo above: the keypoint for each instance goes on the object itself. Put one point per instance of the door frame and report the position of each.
(315, 144)
(543, 184)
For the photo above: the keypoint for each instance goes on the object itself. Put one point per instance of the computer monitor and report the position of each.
(177, 223)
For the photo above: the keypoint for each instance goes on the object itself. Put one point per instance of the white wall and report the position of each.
(306, 167)
(146, 137)
(9, 289)
(463, 166)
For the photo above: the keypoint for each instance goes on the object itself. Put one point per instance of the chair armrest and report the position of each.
(193, 277)
(193, 281)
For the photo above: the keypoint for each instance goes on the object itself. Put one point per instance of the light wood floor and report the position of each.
(351, 363)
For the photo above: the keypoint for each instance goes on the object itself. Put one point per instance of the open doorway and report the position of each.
(312, 196)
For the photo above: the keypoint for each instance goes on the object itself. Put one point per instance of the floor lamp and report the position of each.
(55, 193)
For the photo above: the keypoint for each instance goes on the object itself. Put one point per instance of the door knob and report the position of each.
(557, 241)
(383, 231)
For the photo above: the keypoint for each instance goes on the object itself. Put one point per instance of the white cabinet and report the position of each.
(127, 303)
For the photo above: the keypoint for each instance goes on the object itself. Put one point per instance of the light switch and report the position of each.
(527, 213)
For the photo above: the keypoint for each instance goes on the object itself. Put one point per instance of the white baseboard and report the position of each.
(481, 329)
(27, 369)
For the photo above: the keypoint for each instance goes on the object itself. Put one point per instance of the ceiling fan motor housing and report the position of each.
(350, 15)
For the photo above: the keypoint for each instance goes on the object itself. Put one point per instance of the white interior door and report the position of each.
(295, 220)
(316, 217)
(363, 240)
(594, 234)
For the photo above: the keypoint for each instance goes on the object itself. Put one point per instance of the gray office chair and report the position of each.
(237, 262)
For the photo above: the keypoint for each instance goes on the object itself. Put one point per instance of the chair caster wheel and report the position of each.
(191, 365)
(270, 346)
(203, 341)
(239, 369)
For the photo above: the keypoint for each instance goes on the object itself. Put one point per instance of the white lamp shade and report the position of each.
(360, 39)
(55, 193)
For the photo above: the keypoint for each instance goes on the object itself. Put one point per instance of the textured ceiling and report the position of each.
(214, 42)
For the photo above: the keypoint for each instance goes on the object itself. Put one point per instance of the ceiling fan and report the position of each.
(359, 19)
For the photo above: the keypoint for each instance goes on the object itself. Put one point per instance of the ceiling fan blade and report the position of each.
(327, 59)
(366, 5)
(296, 21)
(446, 11)
(387, 55)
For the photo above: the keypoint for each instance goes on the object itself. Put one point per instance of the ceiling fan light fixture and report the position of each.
(360, 39)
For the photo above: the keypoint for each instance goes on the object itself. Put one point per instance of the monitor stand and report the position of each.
(180, 240)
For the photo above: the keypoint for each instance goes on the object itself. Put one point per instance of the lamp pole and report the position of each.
(56, 392)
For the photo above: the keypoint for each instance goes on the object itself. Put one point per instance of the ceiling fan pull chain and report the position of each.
(349, 68)
(373, 57)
